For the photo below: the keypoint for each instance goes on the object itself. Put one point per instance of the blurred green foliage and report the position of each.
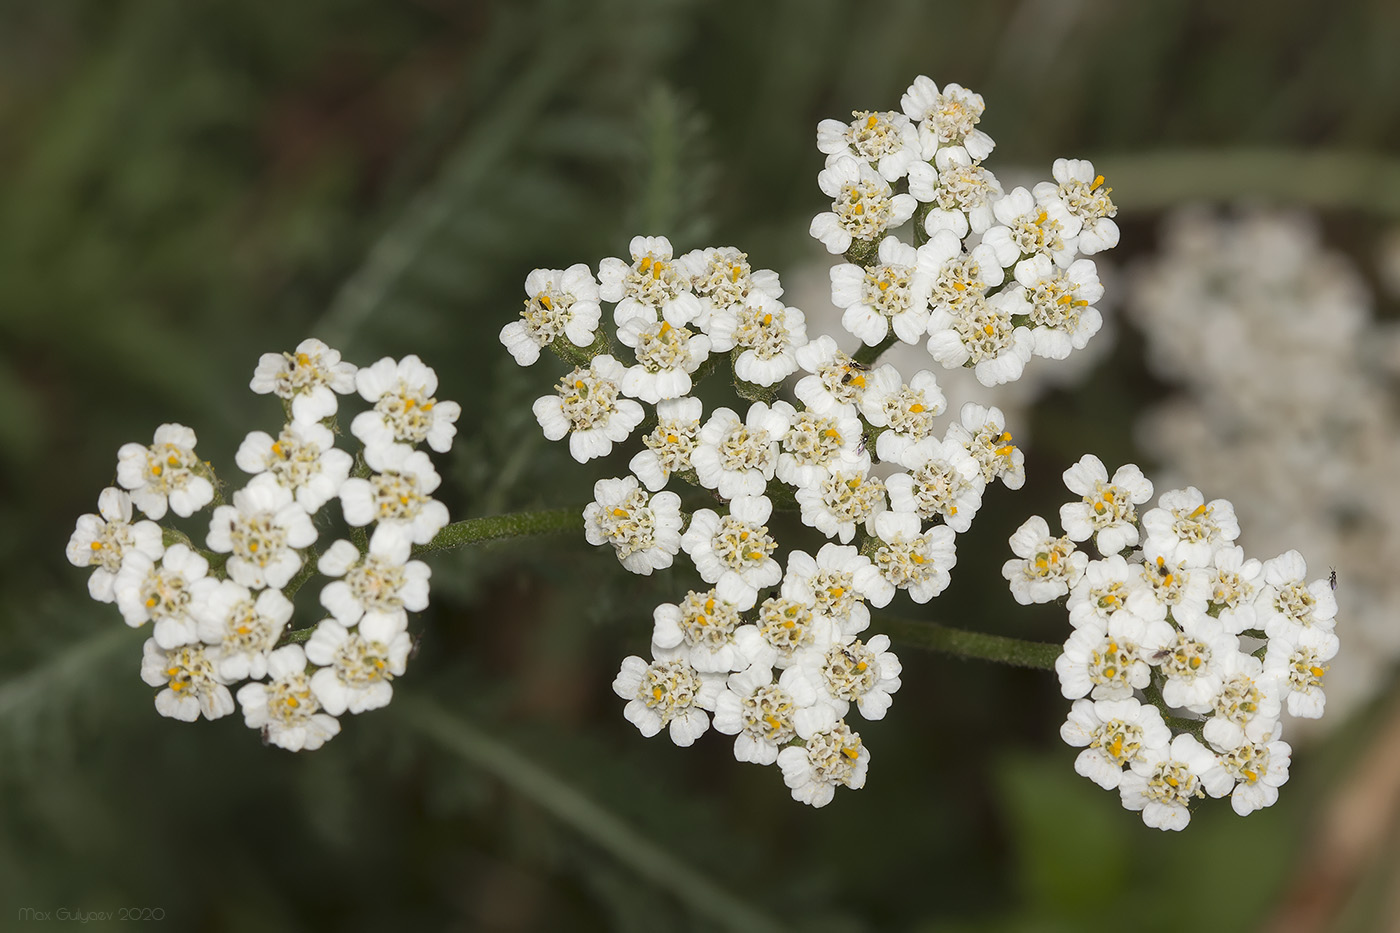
(184, 186)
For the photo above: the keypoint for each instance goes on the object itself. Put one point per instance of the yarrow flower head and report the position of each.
(167, 473)
(219, 622)
(309, 379)
(588, 407)
(559, 303)
(644, 529)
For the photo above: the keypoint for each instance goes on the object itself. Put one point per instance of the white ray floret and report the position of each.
(588, 407)
(262, 532)
(863, 206)
(309, 378)
(738, 457)
(191, 680)
(405, 408)
(168, 593)
(651, 287)
(167, 473)
(670, 444)
(303, 458)
(103, 540)
(380, 586)
(284, 708)
(357, 667)
(1113, 734)
(667, 693)
(644, 529)
(243, 627)
(559, 302)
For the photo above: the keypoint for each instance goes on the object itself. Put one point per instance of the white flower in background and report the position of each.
(652, 285)
(836, 382)
(1184, 527)
(735, 550)
(1298, 664)
(738, 458)
(836, 584)
(1288, 604)
(1108, 509)
(191, 681)
(943, 482)
(559, 302)
(1026, 228)
(1246, 708)
(168, 593)
(405, 410)
(1083, 194)
(981, 334)
(784, 629)
(982, 431)
(165, 472)
(959, 279)
(767, 333)
(842, 500)
(960, 191)
(886, 140)
(1163, 784)
(262, 532)
(397, 498)
(892, 294)
(702, 625)
(1060, 304)
(667, 693)
(670, 444)
(851, 671)
(380, 585)
(1194, 664)
(1111, 663)
(946, 118)
(644, 530)
(302, 457)
(1047, 566)
(863, 206)
(310, 378)
(587, 406)
(1260, 768)
(1234, 586)
(243, 628)
(832, 756)
(722, 279)
(911, 560)
(103, 541)
(906, 411)
(815, 445)
(1101, 592)
(357, 668)
(763, 715)
(666, 356)
(1169, 586)
(284, 708)
(1113, 733)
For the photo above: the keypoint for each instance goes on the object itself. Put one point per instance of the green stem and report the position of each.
(560, 798)
(513, 525)
(867, 355)
(1038, 655)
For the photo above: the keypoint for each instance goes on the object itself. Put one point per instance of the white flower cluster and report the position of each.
(1173, 618)
(992, 277)
(220, 616)
(1286, 376)
(777, 654)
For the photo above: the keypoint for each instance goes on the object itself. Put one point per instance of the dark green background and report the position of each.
(186, 185)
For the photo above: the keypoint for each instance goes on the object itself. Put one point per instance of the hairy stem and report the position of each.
(513, 525)
(1038, 655)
